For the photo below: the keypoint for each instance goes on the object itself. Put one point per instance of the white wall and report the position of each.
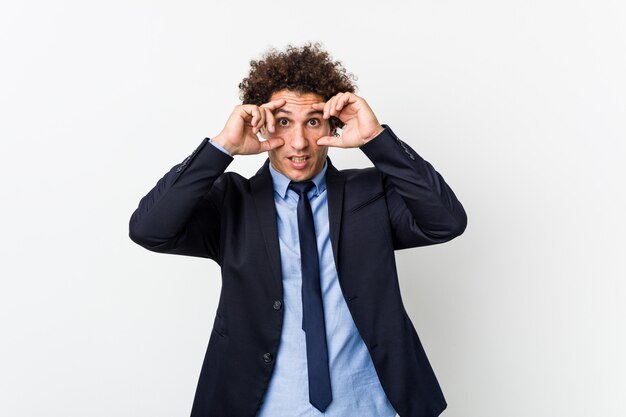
(520, 105)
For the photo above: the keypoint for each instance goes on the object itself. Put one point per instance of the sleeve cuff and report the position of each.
(220, 147)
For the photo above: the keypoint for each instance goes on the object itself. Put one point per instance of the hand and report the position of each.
(360, 123)
(239, 136)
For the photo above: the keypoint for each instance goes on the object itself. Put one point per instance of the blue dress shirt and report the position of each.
(356, 389)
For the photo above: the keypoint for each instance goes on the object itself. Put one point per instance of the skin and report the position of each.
(299, 125)
(298, 130)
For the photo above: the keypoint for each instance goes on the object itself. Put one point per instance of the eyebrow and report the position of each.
(308, 114)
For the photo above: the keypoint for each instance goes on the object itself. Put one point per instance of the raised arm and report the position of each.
(422, 207)
(181, 214)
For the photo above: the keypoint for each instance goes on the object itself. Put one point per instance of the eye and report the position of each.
(283, 122)
(314, 122)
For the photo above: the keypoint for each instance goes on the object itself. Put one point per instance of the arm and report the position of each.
(180, 215)
(423, 209)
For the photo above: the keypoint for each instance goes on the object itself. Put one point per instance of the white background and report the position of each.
(519, 105)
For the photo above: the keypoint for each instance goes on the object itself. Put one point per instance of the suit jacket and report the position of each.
(198, 210)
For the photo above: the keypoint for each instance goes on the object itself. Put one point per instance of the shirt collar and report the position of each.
(281, 182)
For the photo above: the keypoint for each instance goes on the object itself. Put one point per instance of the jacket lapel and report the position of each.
(263, 195)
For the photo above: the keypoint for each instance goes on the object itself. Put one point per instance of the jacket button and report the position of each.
(277, 305)
(267, 357)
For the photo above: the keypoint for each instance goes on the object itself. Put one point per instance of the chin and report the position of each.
(300, 176)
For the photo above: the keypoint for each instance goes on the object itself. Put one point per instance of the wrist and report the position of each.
(219, 140)
(375, 135)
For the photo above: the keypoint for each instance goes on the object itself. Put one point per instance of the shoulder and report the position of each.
(230, 179)
(228, 183)
(362, 180)
(360, 174)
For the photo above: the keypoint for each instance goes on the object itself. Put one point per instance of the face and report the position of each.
(300, 158)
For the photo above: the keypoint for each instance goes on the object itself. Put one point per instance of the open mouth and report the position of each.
(298, 159)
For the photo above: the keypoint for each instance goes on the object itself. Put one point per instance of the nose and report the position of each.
(298, 139)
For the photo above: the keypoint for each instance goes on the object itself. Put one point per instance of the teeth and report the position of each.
(294, 159)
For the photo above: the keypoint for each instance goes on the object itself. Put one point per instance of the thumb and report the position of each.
(269, 144)
(329, 141)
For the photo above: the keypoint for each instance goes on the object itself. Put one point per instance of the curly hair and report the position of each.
(306, 69)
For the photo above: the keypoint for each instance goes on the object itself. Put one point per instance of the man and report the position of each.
(310, 320)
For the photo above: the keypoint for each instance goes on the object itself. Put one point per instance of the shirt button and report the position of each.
(267, 357)
(277, 305)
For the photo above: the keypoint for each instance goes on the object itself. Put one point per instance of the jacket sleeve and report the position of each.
(423, 209)
(181, 214)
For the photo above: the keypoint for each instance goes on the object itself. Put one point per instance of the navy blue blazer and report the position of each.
(197, 209)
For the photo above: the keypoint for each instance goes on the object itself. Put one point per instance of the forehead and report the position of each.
(296, 103)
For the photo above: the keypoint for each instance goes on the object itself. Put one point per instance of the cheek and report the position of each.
(274, 157)
(321, 152)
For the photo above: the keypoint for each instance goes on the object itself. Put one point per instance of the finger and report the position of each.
(330, 141)
(256, 115)
(333, 105)
(246, 113)
(334, 110)
(346, 98)
(271, 107)
(320, 107)
(261, 124)
(249, 114)
(266, 121)
(275, 104)
(270, 120)
(270, 144)
(327, 108)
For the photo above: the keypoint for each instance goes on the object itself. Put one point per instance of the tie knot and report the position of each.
(301, 187)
